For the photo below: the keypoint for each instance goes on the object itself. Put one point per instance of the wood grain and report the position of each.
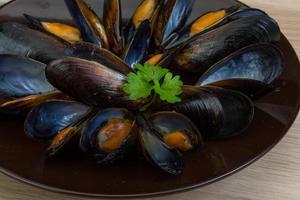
(274, 177)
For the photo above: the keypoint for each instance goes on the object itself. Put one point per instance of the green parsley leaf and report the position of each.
(136, 87)
(151, 72)
(150, 79)
(170, 89)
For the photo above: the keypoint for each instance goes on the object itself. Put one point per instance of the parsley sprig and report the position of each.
(150, 80)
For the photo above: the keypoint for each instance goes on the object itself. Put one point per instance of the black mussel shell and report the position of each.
(202, 51)
(47, 119)
(177, 130)
(147, 10)
(137, 48)
(21, 76)
(261, 62)
(64, 31)
(66, 141)
(157, 152)
(254, 89)
(91, 52)
(18, 39)
(23, 84)
(92, 83)
(89, 24)
(217, 18)
(110, 135)
(112, 19)
(172, 17)
(218, 113)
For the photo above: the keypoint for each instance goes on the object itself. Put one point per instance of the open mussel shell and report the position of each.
(112, 19)
(202, 51)
(46, 120)
(64, 31)
(23, 84)
(66, 141)
(262, 63)
(109, 135)
(89, 24)
(210, 21)
(218, 113)
(157, 152)
(172, 17)
(137, 48)
(91, 52)
(18, 39)
(252, 88)
(92, 83)
(147, 10)
(177, 130)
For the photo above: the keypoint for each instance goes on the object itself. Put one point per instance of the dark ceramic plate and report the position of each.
(24, 159)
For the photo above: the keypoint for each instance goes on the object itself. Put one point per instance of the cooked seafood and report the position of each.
(90, 82)
(257, 65)
(109, 135)
(147, 10)
(176, 130)
(46, 120)
(218, 113)
(18, 39)
(157, 152)
(229, 51)
(138, 46)
(64, 31)
(172, 17)
(210, 21)
(23, 84)
(89, 24)
(112, 19)
(202, 51)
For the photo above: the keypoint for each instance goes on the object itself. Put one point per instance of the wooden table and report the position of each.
(275, 176)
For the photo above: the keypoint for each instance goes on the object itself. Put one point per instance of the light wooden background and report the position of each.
(275, 177)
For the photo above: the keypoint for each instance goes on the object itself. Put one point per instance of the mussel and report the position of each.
(176, 130)
(218, 113)
(210, 21)
(172, 17)
(161, 155)
(23, 84)
(92, 83)
(112, 19)
(229, 51)
(137, 48)
(18, 39)
(155, 59)
(202, 51)
(64, 31)
(109, 135)
(89, 24)
(262, 63)
(46, 120)
(252, 88)
(91, 52)
(147, 10)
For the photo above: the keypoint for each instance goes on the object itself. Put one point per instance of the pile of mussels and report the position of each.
(70, 79)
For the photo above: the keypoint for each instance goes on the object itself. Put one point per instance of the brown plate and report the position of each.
(25, 160)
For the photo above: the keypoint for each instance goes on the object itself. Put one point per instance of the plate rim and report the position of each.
(21, 179)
